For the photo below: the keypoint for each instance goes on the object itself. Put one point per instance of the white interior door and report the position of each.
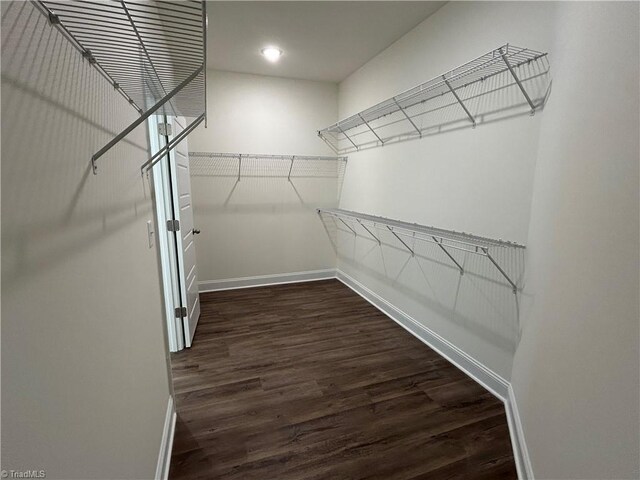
(183, 213)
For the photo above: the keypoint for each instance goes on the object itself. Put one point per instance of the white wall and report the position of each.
(474, 180)
(261, 225)
(574, 329)
(84, 379)
(575, 373)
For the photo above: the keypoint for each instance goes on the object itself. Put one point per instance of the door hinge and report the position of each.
(173, 225)
(181, 312)
(164, 129)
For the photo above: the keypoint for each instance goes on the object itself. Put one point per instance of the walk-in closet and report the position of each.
(285, 240)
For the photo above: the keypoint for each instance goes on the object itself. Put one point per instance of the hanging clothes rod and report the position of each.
(446, 240)
(152, 53)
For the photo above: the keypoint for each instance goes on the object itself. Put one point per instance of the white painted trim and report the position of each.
(166, 444)
(469, 365)
(264, 280)
(520, 451)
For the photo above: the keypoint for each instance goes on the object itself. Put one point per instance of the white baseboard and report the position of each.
(490, 380)
(469, 365)
(264, 280)
(166, 444)
(520, 451)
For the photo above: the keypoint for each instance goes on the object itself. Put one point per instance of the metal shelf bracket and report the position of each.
(404, 112)
(464, 107)
(518, 82)
(440, 244)
(369, 231)
(488, 255)
(446, 240)
(141, 119)
(347, 225)
(413, 254)
(293, 158)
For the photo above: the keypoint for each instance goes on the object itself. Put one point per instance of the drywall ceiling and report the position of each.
(323, 41)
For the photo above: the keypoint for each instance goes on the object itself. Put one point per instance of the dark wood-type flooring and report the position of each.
(309, 381)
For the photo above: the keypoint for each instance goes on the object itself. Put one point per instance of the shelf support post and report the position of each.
(439, 243)
(488, 255)
(372, 130)
(291, 167)
(464, 107)
(369, 231)
(518, 82)
(401, 241)
(347, 225)
(348, 137)
(407, 117)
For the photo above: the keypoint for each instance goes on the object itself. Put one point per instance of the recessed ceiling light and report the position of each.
(272, 54)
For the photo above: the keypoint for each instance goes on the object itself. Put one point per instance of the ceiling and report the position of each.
(323, 41)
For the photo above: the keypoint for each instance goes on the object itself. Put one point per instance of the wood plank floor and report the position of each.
(309, 381)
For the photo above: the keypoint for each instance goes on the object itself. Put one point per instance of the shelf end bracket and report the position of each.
(335, 150)
(488, 255)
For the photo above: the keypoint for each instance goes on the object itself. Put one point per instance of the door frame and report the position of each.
(184, 236)
(166, 240)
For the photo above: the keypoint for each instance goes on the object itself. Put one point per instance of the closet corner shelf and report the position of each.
(346, 135)
(152, 53)
(444, 239)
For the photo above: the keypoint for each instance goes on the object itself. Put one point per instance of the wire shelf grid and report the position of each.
(144, 49)
(152, 53)
(461, 87)
(444, 239)
(239, 165)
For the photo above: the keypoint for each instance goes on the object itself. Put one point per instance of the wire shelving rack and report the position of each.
(239, 165)
(401, 117)
(152, 53)
(446, 240)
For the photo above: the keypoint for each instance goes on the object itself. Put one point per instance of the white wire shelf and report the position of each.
(152, 53)
(423, 110)
(239, 165)
(445, 239)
